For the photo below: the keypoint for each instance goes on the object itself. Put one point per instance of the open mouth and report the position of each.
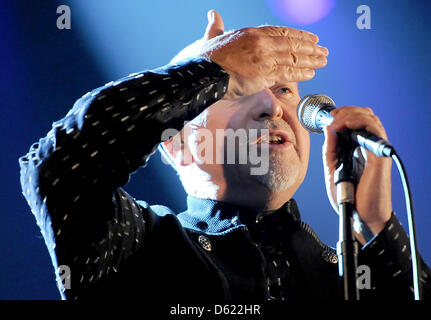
(273, 138)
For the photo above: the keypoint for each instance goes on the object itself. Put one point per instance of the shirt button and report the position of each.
(205, 243)
(329, 256)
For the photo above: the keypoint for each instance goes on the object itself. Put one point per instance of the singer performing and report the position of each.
(241, 237)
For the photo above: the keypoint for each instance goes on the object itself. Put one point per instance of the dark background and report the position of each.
(44, 70)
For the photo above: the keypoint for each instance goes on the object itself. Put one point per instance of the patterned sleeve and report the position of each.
(72, 178)
(389, 259)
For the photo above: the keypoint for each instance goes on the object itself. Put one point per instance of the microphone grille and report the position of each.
(307, 108)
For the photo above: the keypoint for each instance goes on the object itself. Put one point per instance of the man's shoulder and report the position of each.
(161, 210)
(157, 210)
(153, 215)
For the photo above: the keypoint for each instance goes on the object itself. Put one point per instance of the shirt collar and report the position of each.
(217, 217)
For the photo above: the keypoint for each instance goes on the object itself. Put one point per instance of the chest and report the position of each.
(293, 265)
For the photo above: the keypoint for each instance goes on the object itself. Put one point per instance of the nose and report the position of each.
(267, 106)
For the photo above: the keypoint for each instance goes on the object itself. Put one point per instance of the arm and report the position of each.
(388, 256)
(71, 178)
(387, 253)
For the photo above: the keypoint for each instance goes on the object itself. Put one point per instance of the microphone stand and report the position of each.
(347, 247)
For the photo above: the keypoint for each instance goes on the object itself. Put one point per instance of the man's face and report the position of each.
(268, 135)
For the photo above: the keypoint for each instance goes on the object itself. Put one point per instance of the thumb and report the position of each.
(215, 25)
(330, 159)
(330, 152)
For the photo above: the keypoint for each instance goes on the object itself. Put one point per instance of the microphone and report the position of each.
(314, 113)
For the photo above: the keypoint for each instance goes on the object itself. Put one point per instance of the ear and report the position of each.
(215, 25)
(177, 150)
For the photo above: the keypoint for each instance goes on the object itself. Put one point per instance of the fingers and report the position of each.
(356, 118)
(300, 60)
(215, 25)
(292, 52)
(330, 152)
(295, 45)
(353, 118)
(266, 54)
(288, 44)
(215, 18)
(286, 32)
(283, 73)
(292, 59)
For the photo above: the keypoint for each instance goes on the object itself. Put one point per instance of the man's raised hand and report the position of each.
(258, 58)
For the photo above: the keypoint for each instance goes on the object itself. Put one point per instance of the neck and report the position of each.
(241, 190)
(212, 216)
(252, 195)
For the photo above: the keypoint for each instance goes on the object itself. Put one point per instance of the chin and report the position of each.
(280, 178)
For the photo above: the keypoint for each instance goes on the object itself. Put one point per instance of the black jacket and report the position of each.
(117, 247)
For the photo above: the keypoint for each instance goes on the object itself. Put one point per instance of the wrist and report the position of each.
(376, 227)
(366, 231)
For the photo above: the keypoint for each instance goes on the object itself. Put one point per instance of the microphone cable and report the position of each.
(416, 268)
(313, 113)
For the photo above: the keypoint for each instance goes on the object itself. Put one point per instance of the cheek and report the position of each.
(304, 145)
(207, 143)
(218, 115)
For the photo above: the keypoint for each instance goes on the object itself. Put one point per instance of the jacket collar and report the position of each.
(217, 217)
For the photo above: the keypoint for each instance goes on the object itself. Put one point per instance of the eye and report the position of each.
(285, 90)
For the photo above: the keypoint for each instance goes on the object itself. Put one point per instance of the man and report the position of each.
(241, 236)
